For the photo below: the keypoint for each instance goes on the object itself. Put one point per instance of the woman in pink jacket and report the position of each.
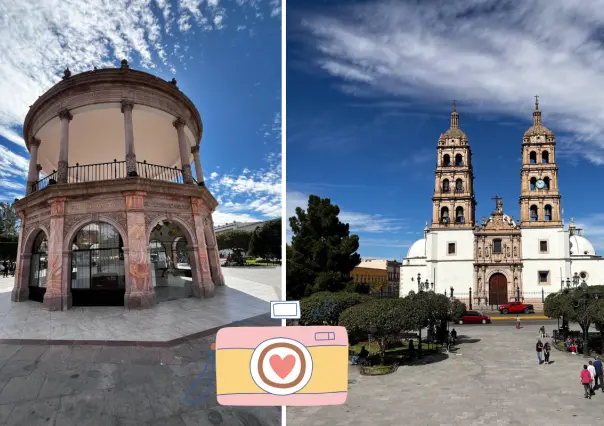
(586, 381)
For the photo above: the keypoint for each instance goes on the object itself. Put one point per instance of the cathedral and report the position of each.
(499, 259)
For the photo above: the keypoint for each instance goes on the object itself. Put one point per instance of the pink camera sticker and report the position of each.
(271, 366)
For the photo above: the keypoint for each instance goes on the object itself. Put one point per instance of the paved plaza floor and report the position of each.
(118, 385)
(246, 294)
(492, 379)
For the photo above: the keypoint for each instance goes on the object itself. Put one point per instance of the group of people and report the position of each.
(574, 346)
(592, 378)
(543, 352)
(8, 267)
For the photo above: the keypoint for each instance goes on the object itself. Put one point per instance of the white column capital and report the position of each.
(179, 123)
(195, 150)
(34, 142)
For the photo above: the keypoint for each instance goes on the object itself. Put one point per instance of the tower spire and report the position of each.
(454, 117)
(536, 113)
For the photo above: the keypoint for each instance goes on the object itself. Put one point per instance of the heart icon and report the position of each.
(282, 366)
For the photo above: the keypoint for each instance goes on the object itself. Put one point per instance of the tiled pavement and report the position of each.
(246, 294)
(493, 379)
(116, 385)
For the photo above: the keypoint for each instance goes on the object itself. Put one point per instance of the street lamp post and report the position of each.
(419, 282)
(576, 280)
(567, 282)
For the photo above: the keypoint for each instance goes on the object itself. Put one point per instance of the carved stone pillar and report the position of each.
(32, 174)
(55, 298)
(20, 291)
(139, 288)
(213, 255)
(129, 138)
(65, 117)
(198, 171)
(205, 286)
(187, 177)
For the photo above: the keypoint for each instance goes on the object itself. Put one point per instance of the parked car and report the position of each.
(516, 308)
(474, 317)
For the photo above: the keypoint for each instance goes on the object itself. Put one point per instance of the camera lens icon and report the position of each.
(281, 366)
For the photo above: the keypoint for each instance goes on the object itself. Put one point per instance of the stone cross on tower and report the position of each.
(498, 204)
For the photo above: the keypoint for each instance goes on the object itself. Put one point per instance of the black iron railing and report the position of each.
(156, 172)
(110, 171)
(43, 183)
(96, 172)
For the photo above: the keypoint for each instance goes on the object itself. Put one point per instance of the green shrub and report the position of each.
(324, 308)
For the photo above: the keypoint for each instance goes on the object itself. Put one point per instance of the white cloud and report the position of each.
(494, 55)
(359, 222)
(593, 230)
(255, 194)
(11, 136)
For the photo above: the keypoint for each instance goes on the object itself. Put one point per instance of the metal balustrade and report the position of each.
(111, 171)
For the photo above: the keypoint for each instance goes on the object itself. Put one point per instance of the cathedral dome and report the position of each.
(454, 133)
(537, 129)
(417, 249)
(580, 246)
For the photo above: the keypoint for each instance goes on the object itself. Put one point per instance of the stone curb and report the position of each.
(513, 318)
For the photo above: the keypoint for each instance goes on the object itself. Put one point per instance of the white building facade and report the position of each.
(499, 259)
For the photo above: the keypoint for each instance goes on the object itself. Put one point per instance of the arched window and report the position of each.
(97, 258)
(458, 185)
(444, 215)
(459, 218)
(157, 253)
(446, 187)
(533, 157)
(547, 212)
(546, 181)
(446, 160)
(534, 213)
(458, 160)
(545, 157)
(182, 252)
(533, 183)
(39, 261)
(497, 245)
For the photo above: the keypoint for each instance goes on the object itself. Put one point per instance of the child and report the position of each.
(586, 381)
(518, 322)
(573, 348)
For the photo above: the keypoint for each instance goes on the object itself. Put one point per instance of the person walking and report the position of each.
(539, 349)
(518, 322)
(5, 265)
(586, 381)
(599, 374)
(592, 371)
(546, 351)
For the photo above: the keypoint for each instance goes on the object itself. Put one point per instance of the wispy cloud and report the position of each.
(359, 222)
(492, 54)
(248, 195)
(419, 157)
(593, 226)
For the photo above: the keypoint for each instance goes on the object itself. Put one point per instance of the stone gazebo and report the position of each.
(111, 152)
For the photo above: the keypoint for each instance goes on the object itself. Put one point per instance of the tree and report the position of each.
(265, 241)
(9, 220)
(324, 308)
(596, 312)
(323, 253)
(382, 319)
(236, 240)
(429, 309)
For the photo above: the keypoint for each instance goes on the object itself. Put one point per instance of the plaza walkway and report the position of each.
(493, 379)
(92, 385)
(246, 294)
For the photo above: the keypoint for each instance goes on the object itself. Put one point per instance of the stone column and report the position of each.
(198, 172)
(213, 254)
(187, 177)
(32, 174)
(205, 286)
(54, 298)
(129, 138)
(139, 288)
(20, 291)
(38, 170)
(65, 117)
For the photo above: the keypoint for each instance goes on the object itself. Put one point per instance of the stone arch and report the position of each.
(75, 228)
(31, 236)
(188, 231)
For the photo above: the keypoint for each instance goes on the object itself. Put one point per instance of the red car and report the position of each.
(516, 308)
(474, 317)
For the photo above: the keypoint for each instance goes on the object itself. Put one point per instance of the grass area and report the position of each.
(397, 353)
(378, 370)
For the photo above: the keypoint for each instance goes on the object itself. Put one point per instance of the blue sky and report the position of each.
(225, 54)
(370, 87)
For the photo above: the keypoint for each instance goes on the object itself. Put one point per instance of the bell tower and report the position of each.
(453, 203)
(539, 199)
